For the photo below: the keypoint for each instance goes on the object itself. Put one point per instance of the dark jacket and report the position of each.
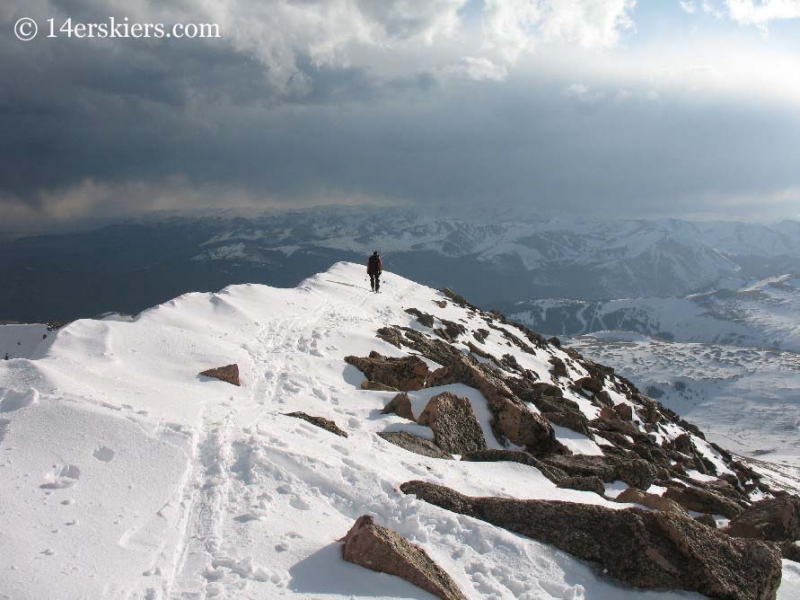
(374, 265)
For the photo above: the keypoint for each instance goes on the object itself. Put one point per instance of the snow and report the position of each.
(744, 399)
(22, 340)
(125, 474)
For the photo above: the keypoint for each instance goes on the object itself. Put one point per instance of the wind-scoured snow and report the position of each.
(125, 474)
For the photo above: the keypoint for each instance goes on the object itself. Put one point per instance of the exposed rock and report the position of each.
(592, 384)
(650, 413)
(647, 549)
(603, 399)
(374, 386)
(456, 298)
(454, 425)
(440, 303)
(482, 353)
(707, 520)
(384, 550)
(533, 391)
(574, 420)
(559, 368)
(512, 420)
(450, 331)
(406, 374)
(634, 496)
(584, 484)
(481, 335)
(790, 551)
(607, 413)
(775, 519)
(401, 406)
(392, 335)
(624, 411)
(433, 349)
(554, 341)
(635, 472)
(554, 474)
(414, 443)
(228, 374)
(525, 428)
(322, 422)
(422, 317)
(683, 444)
(618, 425)
(704, 501)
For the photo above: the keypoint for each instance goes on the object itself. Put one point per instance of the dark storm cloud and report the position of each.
(222, 120)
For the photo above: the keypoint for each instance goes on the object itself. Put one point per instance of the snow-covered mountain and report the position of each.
(762, 314)
(746, 399)
(130, 266)
(128, 475)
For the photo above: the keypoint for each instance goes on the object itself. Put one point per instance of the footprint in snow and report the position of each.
(12, 400)
(299, 503)
(63, 477)
(103, 454)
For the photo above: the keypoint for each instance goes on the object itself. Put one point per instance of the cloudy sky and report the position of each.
(613, 107)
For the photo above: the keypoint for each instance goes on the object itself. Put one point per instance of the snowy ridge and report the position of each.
(127, 475)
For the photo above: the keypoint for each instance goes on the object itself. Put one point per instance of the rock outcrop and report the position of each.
(454, 425)
(635, 472)
(321, 422)
(512, 420)
(646, 549)
(414, 443)
(405, 374)
(401, 406)
(774, 520)
(704, 501)
(228, 374)
(553, 474)
(634, 496)
(381, 549)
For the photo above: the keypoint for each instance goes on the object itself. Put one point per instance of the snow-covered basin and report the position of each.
(127, 475)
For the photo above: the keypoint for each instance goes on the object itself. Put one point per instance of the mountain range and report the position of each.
(126, 267)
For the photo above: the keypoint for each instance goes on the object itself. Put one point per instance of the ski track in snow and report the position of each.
(127, 477)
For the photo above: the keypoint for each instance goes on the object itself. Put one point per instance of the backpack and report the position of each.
(374, 264)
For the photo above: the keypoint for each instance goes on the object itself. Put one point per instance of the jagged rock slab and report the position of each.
(321, 422)
(386, 551)
(405, 374)
(511, 420)
(414, 443)
(374, 386)
(553, 474)
(704, 501)
(455, 428)
(634, 496)
(583, 484)
(228, 374)
(647, 549)
(776, 520)
(401, 406)
(635, 472)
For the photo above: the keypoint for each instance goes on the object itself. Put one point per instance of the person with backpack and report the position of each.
(374, 269)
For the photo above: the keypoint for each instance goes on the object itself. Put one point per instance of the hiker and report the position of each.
(375, 268)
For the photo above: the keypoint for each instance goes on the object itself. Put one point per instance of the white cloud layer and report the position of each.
(513, 27)
(748, 12)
